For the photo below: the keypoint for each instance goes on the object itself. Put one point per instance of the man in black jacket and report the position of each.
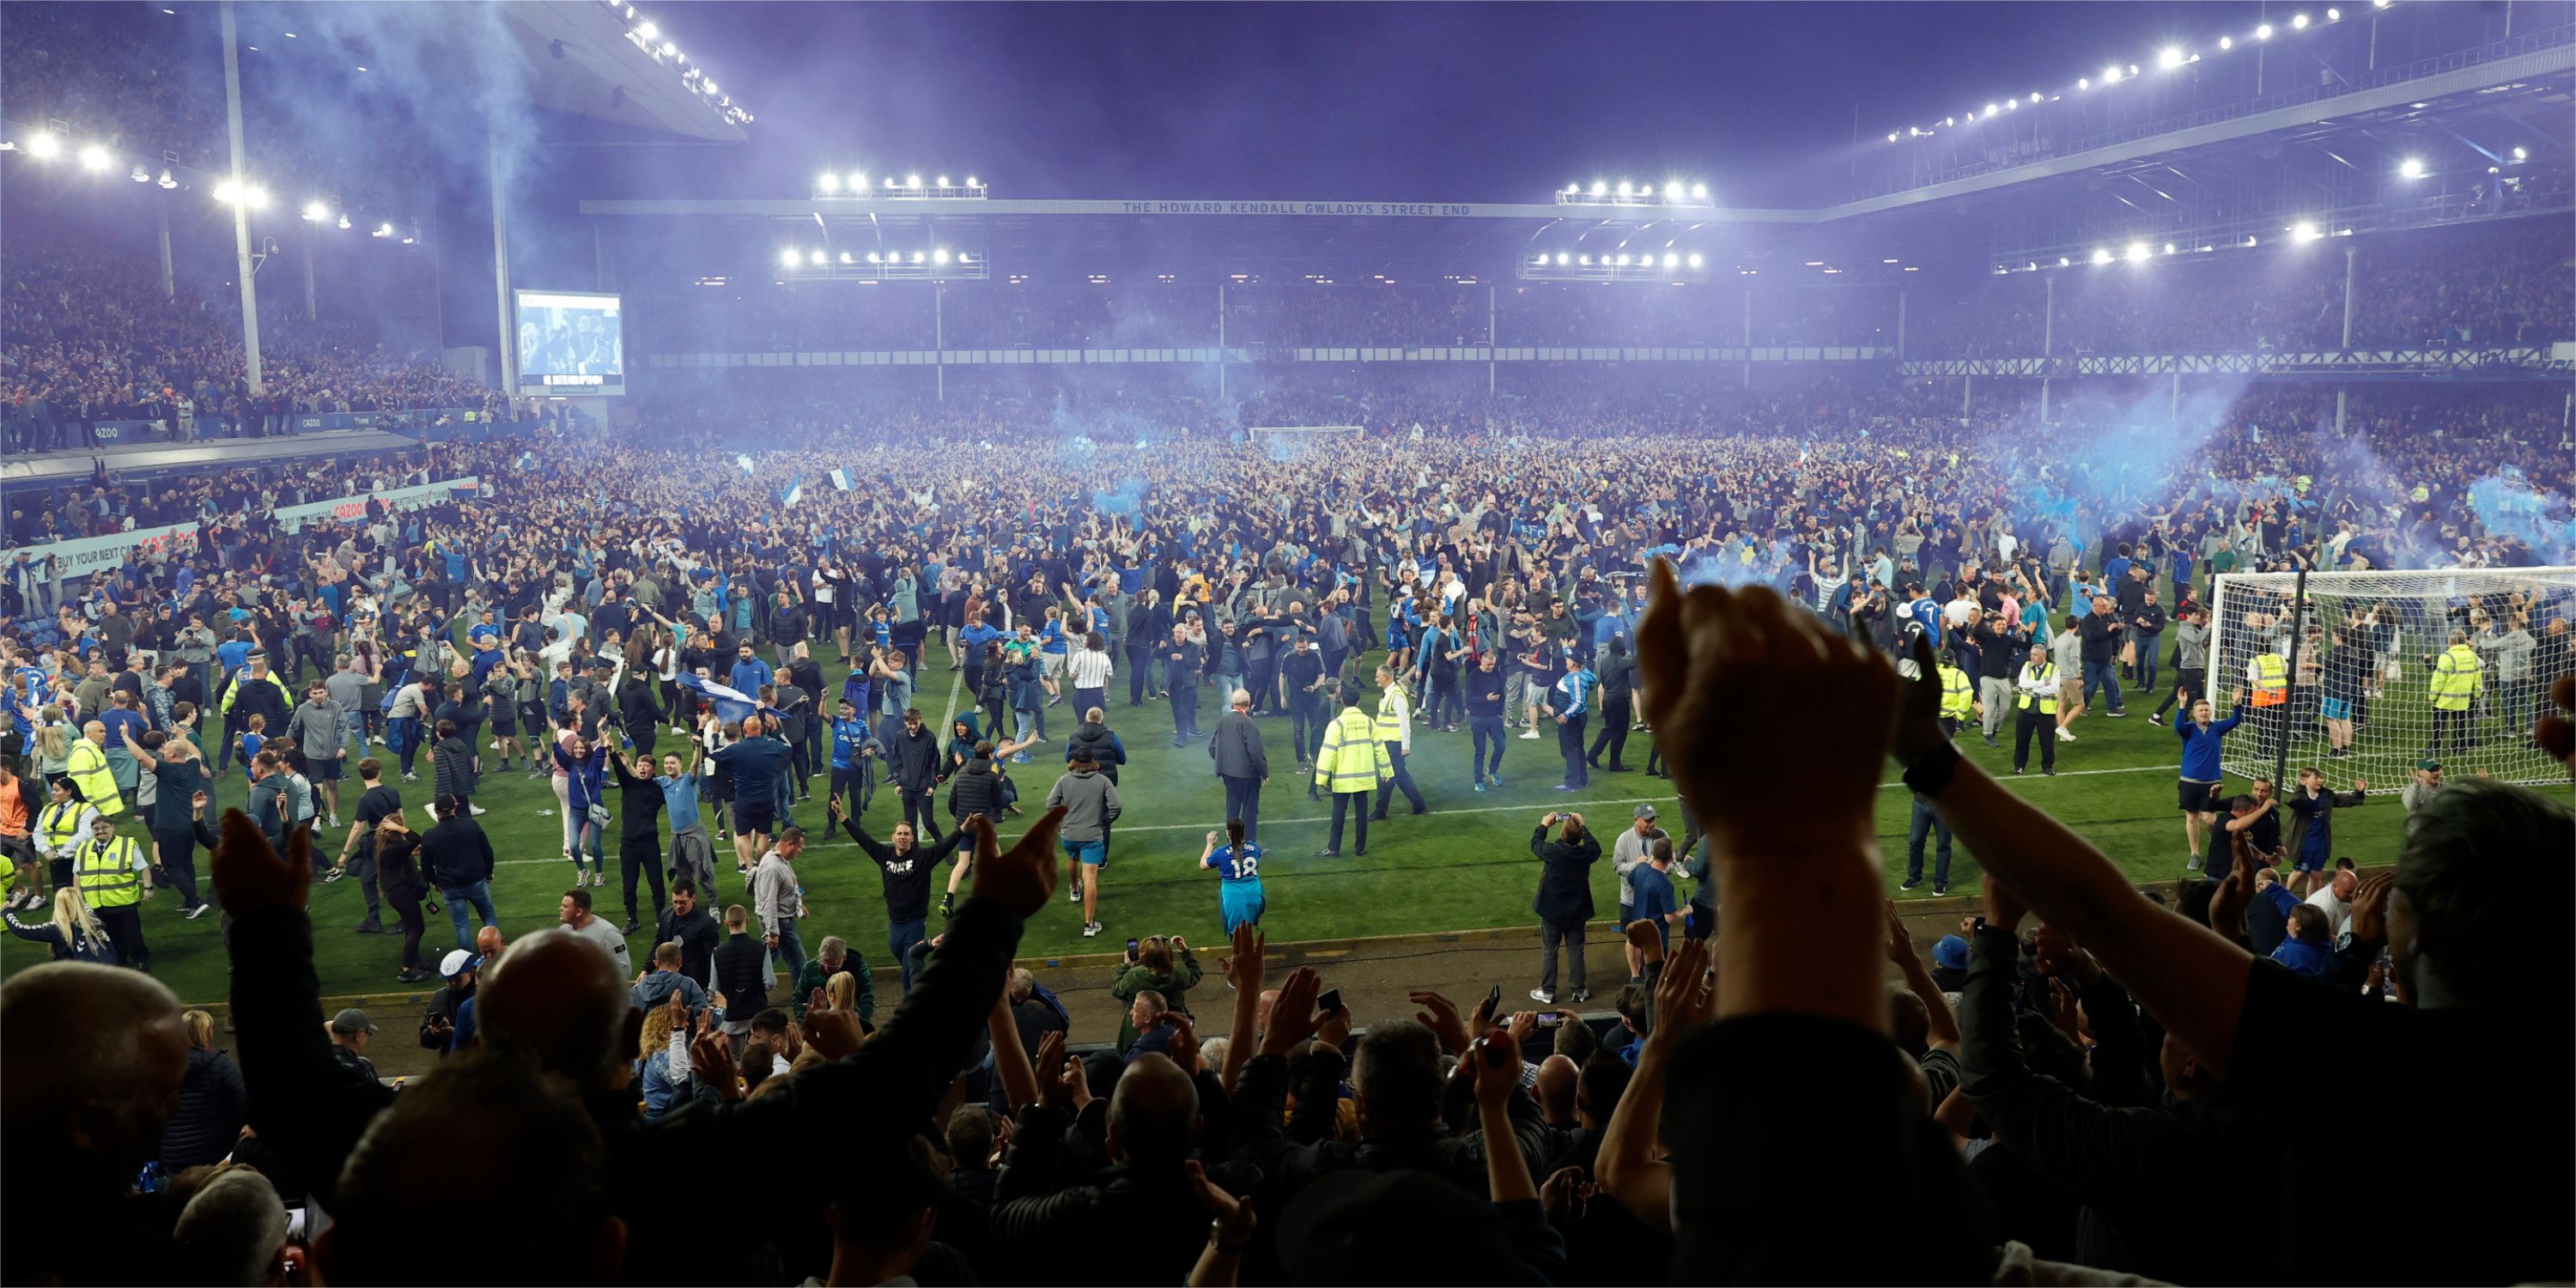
(1182, 661)
(438, 1022)
(1564, 902)
(913, 755)
(456, 856)
(639, 828)
(1242, 763)
(741, 965)
(688, 925)
(907, 869)
(563, 1008)
(1153, 1121)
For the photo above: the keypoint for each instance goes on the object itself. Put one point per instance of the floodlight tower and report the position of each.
(242, 266)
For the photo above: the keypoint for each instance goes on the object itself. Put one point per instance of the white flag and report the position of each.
(841, 479)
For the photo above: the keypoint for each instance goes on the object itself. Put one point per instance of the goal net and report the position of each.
(2375, 686)
(1286, 442)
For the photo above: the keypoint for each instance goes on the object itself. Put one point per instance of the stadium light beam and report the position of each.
(788, 258)
(2102, 256)
(2411, 167)
(912, 181)
(1698, 260)
(828, 181)
(816, 259)
(2263, 32)
(2521, 154)
(96, 159)
(939, 256)
(1599, 188)
(2304, 231)
(44, 145)
(2299, 22)
(344, 222)
(2170, 57)
(649, 31)
(141, 175)
(2226, 42)
(2138, 252)
(315, 212)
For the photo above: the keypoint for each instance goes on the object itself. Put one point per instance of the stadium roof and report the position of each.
(585, 63)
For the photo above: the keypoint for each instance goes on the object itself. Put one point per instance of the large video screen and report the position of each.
(570, 343)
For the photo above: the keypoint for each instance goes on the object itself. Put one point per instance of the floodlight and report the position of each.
(788, 258)
(712, 87)
(384, 230)
(44, 144)
(2169, 57)
(889, 181)
(670, 50)
(912, 181)
(344, 221)
(2034, 97)
(2411, 167)
(2227, 42)
(2252, 241)
(1598, 187)
(2521, 154)
(816, 259)
(2138, 252)
(858, 184)
(1584, 260)
(973, 182)
(649, 31)
(846, 257)
(1699, 191)
(940, 255)
(1671, 260)
(315, 212)
(96, 159)
(1623, 261)
(2169, 248)
(2379, 4)
(1560, 258)
(1990, 109)
(2061, 261)
(1949, 120)
(2012, 105)
(1891, 136)
(916, 257)
(828, 181)
(142, 175)
(1697, 260)
(2334, 15)
(2101, 256)
(1624, 187)
(2299, 23)
(2263, 32)
(226, 191)
(2304, 231)
(943, 181)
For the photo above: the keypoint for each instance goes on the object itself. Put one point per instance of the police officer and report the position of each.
(2035, 704)
(2457, 681)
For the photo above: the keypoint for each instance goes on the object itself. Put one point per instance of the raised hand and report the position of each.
(1717, 661)
(1440, 1016)
(2370, 908)
(1292, 1014)
(249, 872)
(1233, 1217)
(711, 1062)
(1243, 968)
(2060, 957)
(1021, 879)
(1051, 1089)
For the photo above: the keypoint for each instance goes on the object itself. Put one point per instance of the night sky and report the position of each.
(1487, 102)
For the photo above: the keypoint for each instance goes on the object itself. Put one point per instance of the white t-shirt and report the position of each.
(2338, 912)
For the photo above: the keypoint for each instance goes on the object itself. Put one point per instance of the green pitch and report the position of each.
(1466, 865)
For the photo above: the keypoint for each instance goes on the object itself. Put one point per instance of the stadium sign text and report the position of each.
(1409, 209)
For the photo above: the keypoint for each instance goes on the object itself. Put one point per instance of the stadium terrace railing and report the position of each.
(414, 420)
(2534, 361)
(2033, 151)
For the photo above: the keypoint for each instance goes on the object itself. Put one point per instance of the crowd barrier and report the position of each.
(82, 556)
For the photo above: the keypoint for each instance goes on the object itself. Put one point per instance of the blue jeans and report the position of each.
(1927, 823)
(2147, 661)
(480, 895)
(2105, 676)
(1485, 730)
(1243, 801)
(1225, 687)
(900, 937)
(790, 951)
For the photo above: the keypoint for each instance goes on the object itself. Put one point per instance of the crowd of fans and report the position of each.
(91, 336)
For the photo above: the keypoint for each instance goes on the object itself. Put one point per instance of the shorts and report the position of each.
(2069, 692)
(1241, 908)
(1627, 913)
(2310, 861)
(2196, 798)
(1087, 853)
(326, 769)
(754, 816)
(505, 722)
(2335, 708)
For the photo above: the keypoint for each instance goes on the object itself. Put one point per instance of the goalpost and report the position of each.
(2361, 653)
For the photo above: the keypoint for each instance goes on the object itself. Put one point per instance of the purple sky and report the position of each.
(1488, 102)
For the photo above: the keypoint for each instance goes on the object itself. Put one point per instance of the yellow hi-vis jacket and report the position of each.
(2456, 678)
(1353, 759)
(87, 768)
(1958, 698)
(106, 873)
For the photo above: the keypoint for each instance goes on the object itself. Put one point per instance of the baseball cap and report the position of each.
(2429, 766)
(1645, 811)
(457, 962)
(352, 1020)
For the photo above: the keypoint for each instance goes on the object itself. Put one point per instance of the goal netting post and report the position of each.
(2371, 683)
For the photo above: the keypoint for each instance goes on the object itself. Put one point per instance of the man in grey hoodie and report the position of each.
(321, 728)
(1090, 804)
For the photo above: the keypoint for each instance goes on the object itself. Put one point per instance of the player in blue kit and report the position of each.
(1238, 862)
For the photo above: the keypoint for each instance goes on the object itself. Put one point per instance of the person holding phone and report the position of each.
(1564, 898)
(1157, 964)
(1238, 865)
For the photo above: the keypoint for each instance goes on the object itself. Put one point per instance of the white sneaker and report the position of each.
(479, 811)
(1091, 929)
(335, 820)
(2066, 735)
(1543, 996)
(198, 911)
(1530, 735)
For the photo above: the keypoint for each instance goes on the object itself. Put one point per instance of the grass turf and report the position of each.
(1466, 865)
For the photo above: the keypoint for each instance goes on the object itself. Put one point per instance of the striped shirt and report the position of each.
(1090, 668)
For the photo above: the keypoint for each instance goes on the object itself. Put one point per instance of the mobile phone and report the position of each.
(1131, 950)
(1330, 1003)
(1494, 1000)
(1550, 1019)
